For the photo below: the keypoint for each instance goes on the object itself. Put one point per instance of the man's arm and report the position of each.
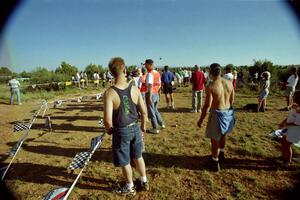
(207, 105)
(143, 110)
(232, 96)
(108, 110)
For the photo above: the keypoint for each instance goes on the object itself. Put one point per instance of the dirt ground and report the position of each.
(177, 158)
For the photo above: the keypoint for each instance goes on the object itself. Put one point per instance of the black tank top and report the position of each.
(127, 111)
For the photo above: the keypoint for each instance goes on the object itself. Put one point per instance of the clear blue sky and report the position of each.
(182, 32)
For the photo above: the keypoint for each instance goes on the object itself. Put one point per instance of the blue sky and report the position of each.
(181, 32)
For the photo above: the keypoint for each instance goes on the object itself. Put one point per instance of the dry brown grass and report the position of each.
(176, 159)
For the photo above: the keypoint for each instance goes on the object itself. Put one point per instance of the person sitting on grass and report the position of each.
(291, 126)
(219, 100)
(122, 105)
(264, 92)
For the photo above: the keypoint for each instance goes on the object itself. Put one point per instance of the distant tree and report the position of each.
(131, 68)
(4, 71)
(66, 69)
(92, 68)
(25, 74)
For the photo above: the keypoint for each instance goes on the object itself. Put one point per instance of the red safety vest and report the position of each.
(156, 81)
(144, 85)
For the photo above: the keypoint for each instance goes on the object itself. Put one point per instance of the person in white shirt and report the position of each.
(291, 129)
(14, 85)
(96, 79)
(228, 75)
(291, 87)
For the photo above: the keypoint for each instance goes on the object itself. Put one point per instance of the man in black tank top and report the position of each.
(122, 102)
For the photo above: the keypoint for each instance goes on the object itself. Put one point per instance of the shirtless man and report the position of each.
(121, 105)
(219, 100)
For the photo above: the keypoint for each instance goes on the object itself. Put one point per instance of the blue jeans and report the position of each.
(15, 91)
(197, 99)
(126, 144)
(153, 113)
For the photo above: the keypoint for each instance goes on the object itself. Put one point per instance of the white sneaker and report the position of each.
(193, 111)
(153, 130)
(163, 126)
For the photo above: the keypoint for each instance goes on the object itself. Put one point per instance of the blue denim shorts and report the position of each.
(126, 144)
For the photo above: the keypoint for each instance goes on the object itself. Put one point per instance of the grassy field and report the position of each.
(177, 158)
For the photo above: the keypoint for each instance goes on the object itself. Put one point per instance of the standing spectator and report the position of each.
(178, 78)
(219, 100)
(122, 105)
(240, 77)
(82, 79)
(108, 78)
(86, 79)
(14, 85)
(186, 77)
(228, 75)
(142, 84)
(153, 82)
(198, 81)
(264, 92)
(103, 80)
(291, 127)
(167, 80)
(77, 79)
(255, 76)
(96, 79)
(291, 87)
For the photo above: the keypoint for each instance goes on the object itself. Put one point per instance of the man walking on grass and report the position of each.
(167, 80)
(122, 105)
(219, 100)
(153, 83)
(198, 81)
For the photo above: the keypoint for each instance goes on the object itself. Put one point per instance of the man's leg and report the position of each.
(127, 173)
(167, 99)
(11, 97)
(155, 108)
(222, 148)
(215, 149)
(151, 114)
(172, 101)
(199, 100)
(264, 103)
(18, 96)
(194, 101)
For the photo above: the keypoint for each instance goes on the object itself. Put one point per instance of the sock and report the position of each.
(143, 179)
(222, 150)
(130, 184)
(215, 159)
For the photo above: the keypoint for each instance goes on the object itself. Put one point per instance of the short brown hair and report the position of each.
(116, 66)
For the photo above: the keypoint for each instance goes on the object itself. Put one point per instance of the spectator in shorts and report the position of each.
(167, 80)
(122, 102)
(291, 126)
(291, 87)
(96, 79)
(198, 81)
(14, 85)
(264, 92)
(219, 100)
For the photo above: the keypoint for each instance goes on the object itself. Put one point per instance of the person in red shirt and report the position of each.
(198, 81)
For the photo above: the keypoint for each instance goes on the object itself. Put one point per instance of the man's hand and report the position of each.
(199, 123)
(110, 131)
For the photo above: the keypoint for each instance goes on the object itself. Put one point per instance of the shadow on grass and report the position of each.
(166, 160)
(6, 193)
(58, 176)
(73, 118)
(176, 110)
(68, 127)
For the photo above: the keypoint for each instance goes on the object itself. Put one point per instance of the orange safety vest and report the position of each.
(144, 85)
(156, 81)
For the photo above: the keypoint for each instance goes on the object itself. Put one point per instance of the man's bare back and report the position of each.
(222, 93)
